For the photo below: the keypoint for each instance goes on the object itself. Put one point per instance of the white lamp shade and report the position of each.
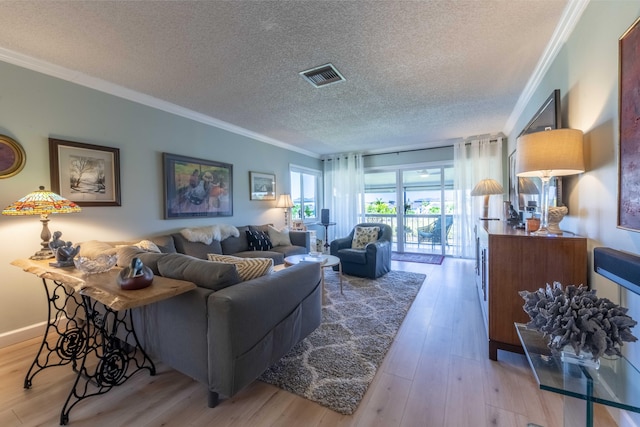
(284, 201)
(486, 187)
(549, 153)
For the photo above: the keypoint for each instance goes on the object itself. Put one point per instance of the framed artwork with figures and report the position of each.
(197, 187)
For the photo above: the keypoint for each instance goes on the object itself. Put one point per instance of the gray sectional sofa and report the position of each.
(226, 332)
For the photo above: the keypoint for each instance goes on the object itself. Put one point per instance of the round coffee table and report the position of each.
(325, 261)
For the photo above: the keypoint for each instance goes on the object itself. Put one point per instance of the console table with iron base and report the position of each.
(91, 328)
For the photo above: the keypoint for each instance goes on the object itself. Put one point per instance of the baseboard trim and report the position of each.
(23, 334)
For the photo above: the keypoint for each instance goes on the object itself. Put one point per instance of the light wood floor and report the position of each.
(437, 373)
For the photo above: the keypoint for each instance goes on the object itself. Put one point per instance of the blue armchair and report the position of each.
(373, 261)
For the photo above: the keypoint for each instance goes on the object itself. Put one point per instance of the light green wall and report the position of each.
(34, 107)
(586, 72)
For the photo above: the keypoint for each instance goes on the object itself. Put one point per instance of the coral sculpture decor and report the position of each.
(575, 317)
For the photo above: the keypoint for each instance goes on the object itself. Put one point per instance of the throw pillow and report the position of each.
(363, 236)
(248, 268)
(93, 248)
(279, 237)
(258, 240)
(145, 245)
(211, 275)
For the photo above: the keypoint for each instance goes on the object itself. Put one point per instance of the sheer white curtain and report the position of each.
(473, 161)
(344, 191)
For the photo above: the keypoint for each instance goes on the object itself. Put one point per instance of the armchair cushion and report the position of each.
(364, 235)
(356, 256)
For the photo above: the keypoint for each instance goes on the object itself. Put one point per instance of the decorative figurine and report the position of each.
(63, 251)
(135, 276)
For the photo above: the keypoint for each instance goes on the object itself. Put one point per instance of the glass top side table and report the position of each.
(615, 383)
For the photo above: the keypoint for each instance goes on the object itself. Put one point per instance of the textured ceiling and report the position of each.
(418, 73)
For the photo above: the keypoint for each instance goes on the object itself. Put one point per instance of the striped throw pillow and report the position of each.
(248, 268)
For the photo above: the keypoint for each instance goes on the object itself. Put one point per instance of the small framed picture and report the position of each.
(12, 157)
(85, 173)
(262, 186)
(197, 187)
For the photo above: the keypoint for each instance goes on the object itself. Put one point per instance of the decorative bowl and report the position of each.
(100, 264)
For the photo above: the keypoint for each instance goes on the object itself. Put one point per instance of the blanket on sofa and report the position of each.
(210, 233)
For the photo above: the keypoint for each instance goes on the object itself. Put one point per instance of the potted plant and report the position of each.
(577, 321)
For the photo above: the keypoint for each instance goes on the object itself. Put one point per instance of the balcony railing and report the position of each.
(412, 225)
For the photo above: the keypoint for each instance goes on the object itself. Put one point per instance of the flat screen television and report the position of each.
(548, 116)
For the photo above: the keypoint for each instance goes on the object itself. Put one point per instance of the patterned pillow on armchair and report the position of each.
(363, 236)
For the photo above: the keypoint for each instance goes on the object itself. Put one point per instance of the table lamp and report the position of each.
(557, 152)
(43, 203)
(285, 202)
(486, 188)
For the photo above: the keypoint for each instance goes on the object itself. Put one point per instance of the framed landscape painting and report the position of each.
(197, 187)
(629, 162)
(262, 186)
(85, 173)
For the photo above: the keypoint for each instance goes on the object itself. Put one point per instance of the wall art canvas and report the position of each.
(263, 186)
(87, 174)
(629, 162)
(197, 187)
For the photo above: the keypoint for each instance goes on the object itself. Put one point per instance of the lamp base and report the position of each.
(556, 214)
(42, 254)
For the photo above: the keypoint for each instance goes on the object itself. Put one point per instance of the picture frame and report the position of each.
(262, 186)
(195, 188)
(86, 174)
(629, 152)
(12, 157)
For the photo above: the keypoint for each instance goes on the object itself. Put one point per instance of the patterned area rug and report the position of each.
(335, 364)
(422, 258)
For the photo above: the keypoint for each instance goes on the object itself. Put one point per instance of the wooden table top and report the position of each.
(103, 287)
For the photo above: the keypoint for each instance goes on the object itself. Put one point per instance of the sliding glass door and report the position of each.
(418, 204)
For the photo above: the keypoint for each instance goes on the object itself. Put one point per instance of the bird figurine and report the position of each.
(135, 276)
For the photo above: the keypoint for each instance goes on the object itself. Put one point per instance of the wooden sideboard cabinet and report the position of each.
(510, 260)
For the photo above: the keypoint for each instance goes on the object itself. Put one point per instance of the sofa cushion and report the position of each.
(145, 245)
(258, 240)
(196, 249)
(279, 237)
(206, 274)
(150, 259)
(362, 236)
(248, 268)
(234, 245)
(93, 248)
(164, 243)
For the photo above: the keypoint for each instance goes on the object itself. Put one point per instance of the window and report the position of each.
(305, 192)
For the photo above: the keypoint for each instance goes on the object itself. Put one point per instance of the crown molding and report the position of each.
(104, 86)
(570, 17)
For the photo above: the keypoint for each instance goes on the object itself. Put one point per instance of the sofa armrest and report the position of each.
(301, 238)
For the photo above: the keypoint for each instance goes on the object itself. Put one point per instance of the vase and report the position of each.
(568, 355)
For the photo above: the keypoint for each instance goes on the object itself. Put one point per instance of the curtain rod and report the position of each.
(398, 152)
(492, 139)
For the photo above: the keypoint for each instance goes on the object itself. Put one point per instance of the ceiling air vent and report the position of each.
(322, 75)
